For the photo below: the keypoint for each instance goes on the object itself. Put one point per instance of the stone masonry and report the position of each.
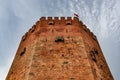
(59, 49)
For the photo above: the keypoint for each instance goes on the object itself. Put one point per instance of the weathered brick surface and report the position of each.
(56, 49)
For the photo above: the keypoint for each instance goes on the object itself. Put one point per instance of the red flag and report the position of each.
(76, 15)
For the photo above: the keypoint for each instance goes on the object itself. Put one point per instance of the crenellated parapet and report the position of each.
(53, 23)
(87, 30)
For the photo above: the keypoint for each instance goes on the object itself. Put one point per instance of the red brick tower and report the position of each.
(59, 49)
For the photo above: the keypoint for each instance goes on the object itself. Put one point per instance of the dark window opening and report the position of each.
(94, 59)
(12, 72)
(94, 38)
(51, 23)
(31, 73)
(93, 56)
(85, 29)
(68, 23)
(62, 55)
(59, 39)
(65, 62)
(95, 50)
(101, 66)
(23, 51)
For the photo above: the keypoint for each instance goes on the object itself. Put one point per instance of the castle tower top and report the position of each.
(59, 49)
(57, 25)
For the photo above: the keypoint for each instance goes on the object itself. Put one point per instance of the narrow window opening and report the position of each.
(65, 62)
(85, 29)
(93, 56)
(95, 50)
(94, 59)
(23, 51)
(31, 73)
(12, 72)
(51, 23)
(68, 23)
(59, 39)
(101, 66)
(62, 55)
(94, 38)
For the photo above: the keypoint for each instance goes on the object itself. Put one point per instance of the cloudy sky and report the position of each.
(101, 16)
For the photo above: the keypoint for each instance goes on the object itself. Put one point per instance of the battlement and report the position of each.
(58, 18)
(58, 21)
(55, 22)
